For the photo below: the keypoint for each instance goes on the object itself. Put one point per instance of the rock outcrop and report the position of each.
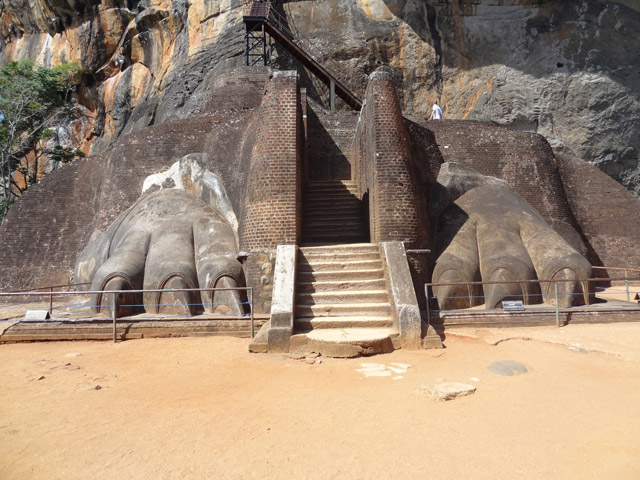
(567, 70)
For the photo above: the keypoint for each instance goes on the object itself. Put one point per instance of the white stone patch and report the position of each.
(188, 175)
(401, 365)
(381, 370)
(378, 373)
(397, 370)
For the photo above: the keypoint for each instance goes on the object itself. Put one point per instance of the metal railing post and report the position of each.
(627, 287)
(426, 295)
(253, 330)
(555, 286)
(113, 314)
(50, 301)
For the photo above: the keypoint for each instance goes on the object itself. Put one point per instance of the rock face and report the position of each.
(567, 70)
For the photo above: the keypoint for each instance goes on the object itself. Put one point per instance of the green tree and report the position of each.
(30, 99)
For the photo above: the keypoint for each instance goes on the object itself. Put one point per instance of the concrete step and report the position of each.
(323, 266)
(343, 309)
(368, 321)
(344, 342)
(340, 275)
(346, 296)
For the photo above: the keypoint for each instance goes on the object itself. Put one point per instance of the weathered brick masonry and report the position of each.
(606, 211)
(50, 225)
(329, 144)
(272, 207)
(524, 160)
(271, 214)
(389, 179)
(384, 168)
(590, 210)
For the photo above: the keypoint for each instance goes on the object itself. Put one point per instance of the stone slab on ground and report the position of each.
(617, 339)
(443, 392)
(350, 342)
(507, 368)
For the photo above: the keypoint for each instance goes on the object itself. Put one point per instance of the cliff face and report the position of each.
(569, 70)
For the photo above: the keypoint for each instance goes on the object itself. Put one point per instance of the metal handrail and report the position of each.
(555, 282)
(270, 15)
(114, 293)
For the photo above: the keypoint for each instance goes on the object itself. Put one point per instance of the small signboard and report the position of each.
(36, 315)
(512, 305)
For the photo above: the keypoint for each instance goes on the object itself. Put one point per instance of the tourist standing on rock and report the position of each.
(436, 113)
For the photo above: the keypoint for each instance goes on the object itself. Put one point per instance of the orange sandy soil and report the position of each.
(205, 408)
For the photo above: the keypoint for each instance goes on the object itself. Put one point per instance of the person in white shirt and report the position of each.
(436, 113)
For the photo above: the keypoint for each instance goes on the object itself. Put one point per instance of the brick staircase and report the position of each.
(332, 213)
(342, 301)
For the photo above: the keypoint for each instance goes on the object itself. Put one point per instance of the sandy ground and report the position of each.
(204, 408)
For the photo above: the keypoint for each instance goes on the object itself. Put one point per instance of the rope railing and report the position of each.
(114, 305)
(630, 287)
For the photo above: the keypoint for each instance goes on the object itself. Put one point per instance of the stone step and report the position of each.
(338, 191)
(334, 222)
(368, 321)
(343, 309)
(314, 209)
(346, 296)
(353, 248)
(340, 275)
(321, 228)
(337, 233)
(329, 194)
(312, 257)
(330, 184)
(344, 342)
(336, 285)
(327, 215)
(323, 266)
(332, 237)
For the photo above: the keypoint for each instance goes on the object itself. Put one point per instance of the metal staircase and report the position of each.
(263, 22)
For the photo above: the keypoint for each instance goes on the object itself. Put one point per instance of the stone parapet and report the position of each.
(271, 213)
(283, 299)
(384, 168)
(405, 309)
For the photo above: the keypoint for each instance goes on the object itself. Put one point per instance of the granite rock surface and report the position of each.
(567, 70)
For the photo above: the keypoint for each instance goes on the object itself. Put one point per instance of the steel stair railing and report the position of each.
(260, 11)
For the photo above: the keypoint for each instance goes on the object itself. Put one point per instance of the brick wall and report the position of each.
(272, 198)
(272, 201)
(590, 210)
(525, 160)
(49, 226)
(330, 135)
(607, 213)
(384, 168)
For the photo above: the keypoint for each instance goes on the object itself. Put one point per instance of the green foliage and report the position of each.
(64, 155)
(30, 97)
